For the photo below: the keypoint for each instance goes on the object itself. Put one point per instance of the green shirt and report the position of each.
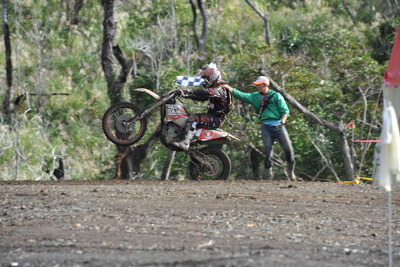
(273, 112)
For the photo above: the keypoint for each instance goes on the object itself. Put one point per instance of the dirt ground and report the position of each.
(224, 223)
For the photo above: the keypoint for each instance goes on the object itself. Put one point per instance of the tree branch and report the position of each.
(126, 68)
(303, 109)
(204, 25)
(75, 13)
(265, 18)
(200, 40)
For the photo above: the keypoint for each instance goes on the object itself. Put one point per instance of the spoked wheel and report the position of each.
(119, 125)
(213, 165)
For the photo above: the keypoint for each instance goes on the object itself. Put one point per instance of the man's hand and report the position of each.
(228, 87)
(280, 125)
(184, 92)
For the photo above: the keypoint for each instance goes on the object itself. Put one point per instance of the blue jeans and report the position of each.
(271, 133)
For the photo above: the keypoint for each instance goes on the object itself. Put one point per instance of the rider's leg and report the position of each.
(284, 141)
(268, 140)
(191, 129)
(201, 120)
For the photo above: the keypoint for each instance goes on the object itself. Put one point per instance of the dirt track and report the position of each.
(243, 223)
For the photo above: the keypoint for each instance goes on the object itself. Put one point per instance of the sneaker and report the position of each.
(290, 171)
(292, 176)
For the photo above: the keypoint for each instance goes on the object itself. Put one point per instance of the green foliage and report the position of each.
(380, 39)
(328, 56)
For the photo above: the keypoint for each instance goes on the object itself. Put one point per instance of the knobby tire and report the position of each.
(117, 129)
(224, 166)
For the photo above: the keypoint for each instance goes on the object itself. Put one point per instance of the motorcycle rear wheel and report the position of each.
(117, 126)
(218, 165)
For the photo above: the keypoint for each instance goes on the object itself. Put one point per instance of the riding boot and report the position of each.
(185, 143)
(290, 171)
(268, 175)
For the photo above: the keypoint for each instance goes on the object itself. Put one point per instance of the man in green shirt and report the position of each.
(273, 112)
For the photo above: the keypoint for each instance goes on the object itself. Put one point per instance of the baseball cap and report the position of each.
(262, 79)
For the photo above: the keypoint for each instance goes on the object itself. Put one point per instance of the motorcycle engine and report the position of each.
(171, 132)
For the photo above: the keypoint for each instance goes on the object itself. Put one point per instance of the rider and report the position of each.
(221, 103)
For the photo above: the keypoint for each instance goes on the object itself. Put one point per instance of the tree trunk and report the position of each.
(7, 43)
(75, 12)
(346, 154)
(109, 32)
(340, 129)
(200, 40)
(131, 158)
(128, 159)
(167, 165)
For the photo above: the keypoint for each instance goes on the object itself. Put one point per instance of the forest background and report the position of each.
(327, 57)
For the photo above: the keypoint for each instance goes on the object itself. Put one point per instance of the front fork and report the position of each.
(148, 110)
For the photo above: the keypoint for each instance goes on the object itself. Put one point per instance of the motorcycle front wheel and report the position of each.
(119, 125)
(215, 165)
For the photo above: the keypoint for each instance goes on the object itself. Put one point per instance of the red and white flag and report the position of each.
(392, 74)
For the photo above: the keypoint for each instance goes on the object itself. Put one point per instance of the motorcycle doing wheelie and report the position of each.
(125, 124)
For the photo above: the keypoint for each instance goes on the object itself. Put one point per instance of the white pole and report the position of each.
(390, 252)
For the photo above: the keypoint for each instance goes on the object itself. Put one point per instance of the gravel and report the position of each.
(187, 223)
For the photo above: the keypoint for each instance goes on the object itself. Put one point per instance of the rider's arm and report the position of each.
(198, 94)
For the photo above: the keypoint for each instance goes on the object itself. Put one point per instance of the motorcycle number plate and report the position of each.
(174, 112)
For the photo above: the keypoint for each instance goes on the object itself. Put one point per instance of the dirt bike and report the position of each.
(125, 124)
